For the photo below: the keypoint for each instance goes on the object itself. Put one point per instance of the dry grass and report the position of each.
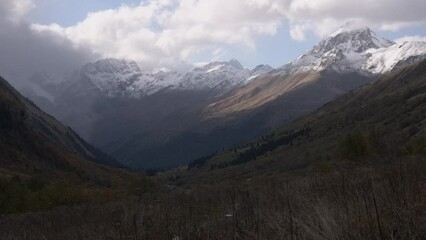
(383, 201)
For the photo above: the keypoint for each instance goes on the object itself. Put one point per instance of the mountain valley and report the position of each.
(329, 146)
(172, 118)
(202, 120)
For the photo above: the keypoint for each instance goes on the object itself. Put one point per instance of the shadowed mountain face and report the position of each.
(166, 119)
(172, 128)
(33, 143)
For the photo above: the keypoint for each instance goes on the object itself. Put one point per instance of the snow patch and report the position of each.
(215, 68)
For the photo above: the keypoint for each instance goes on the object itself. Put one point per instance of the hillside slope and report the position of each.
(33, 143)
(385, 119)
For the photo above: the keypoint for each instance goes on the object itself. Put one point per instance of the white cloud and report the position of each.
(169, 33)
(25, 52)
(411, 38)
(166, 32)
(324, 16)
(298, 32)
(15, 10)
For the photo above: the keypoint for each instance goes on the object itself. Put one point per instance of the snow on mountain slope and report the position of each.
(112, 76)
(223, 75)
(356, 50)
(397, 55)
(350, 39)
(118, 78)
(215, 68)
(152, 83)
(344, 51)
(258, 71)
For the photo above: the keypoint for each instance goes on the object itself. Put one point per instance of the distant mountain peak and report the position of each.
(264, 67)
(353, 49)
(235, 63)
(349, 27)
(351, 39)
(111, 65)
(111, 75)
(123, 78)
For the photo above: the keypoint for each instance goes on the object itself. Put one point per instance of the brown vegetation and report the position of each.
(379, 201)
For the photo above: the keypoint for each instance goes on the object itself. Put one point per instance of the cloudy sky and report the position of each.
(41, 35)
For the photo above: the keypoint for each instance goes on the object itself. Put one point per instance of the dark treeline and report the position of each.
(199, 162)
(256, 150)
(251, 151)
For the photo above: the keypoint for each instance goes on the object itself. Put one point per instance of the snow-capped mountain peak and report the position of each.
(118, 78)
(112, 66)
(112, 76)
(352, 49)
(214, 66)
(356, 39)
(263, 68)
(347, 40)
(356, 49)
(215, 75)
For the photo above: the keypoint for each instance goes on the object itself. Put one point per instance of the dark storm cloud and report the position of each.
(24, 51)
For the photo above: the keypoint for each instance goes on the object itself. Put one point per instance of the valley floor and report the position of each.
(347, 200)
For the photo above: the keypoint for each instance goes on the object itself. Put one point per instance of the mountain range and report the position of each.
(167, 118)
